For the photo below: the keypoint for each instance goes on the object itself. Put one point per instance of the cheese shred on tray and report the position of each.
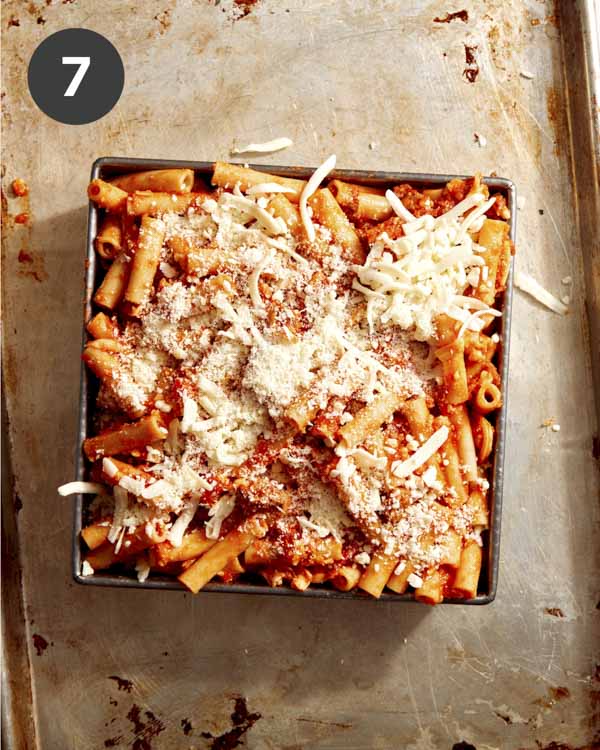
(297, 380)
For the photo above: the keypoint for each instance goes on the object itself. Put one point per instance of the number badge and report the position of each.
(76, 76)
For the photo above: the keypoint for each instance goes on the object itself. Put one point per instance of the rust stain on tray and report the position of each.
(245, 7)
(554, 611)
(40, 643)
(339, 724)
(461, 15)
(555, 110)
(242, 721)
(123, 684)
(164, 21)
(144, 730)
(238, 9)
(471, 70)
(113, 741)
(31, 265)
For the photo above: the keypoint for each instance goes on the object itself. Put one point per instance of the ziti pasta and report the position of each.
(297, 380)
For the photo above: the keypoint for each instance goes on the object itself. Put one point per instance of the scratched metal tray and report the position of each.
(107, 167)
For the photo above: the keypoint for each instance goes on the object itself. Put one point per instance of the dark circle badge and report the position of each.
(76, 76)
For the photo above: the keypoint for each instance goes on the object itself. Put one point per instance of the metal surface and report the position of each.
(106, 167)
(335, 77)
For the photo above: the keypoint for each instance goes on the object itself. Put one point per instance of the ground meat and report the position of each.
(454, 192)
(417, 203)
(500, 208)
(392, 226)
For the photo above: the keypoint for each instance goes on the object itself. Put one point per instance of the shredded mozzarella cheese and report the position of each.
(311, 186)
(468, 324)
(429, 448)
(411, 280)
(183, 521)
(530, 286)
(81, 488)
(218, 513)
(398, 207)
(268, 187)
(268, 147)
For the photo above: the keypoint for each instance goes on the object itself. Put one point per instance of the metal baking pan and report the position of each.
(108, 167)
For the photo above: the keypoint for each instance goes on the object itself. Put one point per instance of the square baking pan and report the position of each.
(108, 167)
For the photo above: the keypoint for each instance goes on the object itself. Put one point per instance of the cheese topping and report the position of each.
(268, 147)
(429, 448)
(309, 189)
(218, 513)
(268, 187)
(81, 488)
(530, 286)
(411, 280)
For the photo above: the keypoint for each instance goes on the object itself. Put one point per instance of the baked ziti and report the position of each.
(297, 380)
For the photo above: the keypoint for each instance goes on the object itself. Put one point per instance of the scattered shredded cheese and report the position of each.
(268, 147)
(142, 567)
(168, 270)
(321, 531)
(268, 187)
(86, 569)
(398, 207)
(530, 286)
(110, 468)
(81, 488)
(411, 280)
(311, 186)
(253, 282)
(400, 567)
(429, 448)
(183, 521)
(468, 324)
(218, 513)
(271, 224)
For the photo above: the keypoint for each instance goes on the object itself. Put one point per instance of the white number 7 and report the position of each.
(84, 64)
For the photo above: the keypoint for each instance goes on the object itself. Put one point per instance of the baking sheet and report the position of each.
(334, 77)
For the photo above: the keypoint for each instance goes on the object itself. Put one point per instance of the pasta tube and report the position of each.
(229, 175)
(161, 180)
(145, 262)
(125, 439)
(106, 195)
(109, 240)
